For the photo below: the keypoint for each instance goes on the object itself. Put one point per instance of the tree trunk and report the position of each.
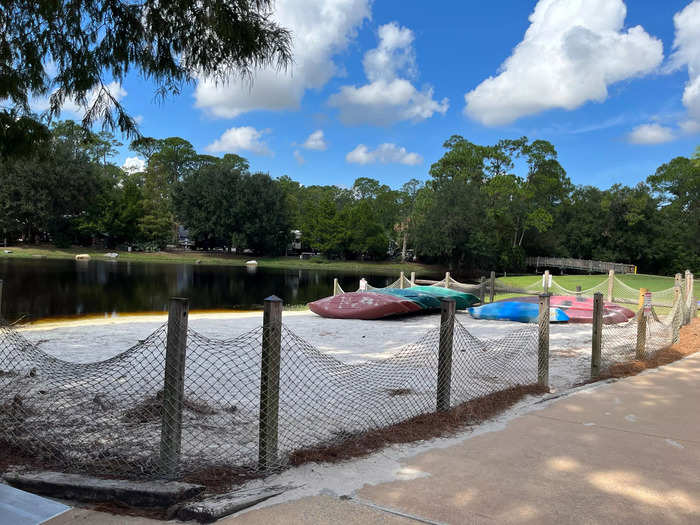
(403, 248)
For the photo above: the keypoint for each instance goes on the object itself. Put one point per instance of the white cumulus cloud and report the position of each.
(134, 165)
(687, 53)
(320, 29)
(245, 138)
(389, 97)
(570, 54)
(386, 153)
(299, 157)
(650, 134)
(316, 141)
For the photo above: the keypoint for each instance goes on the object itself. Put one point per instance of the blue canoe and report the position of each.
(519, 312)
(425, 300)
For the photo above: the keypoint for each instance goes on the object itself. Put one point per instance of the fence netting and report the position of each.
(106, 418)
(628, 342)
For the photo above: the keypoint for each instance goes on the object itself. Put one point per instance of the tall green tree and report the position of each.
(90, 43)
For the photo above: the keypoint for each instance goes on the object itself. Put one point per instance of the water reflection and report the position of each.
(45, 288)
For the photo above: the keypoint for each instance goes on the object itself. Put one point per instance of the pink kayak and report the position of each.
(363, 305)
(580, 309)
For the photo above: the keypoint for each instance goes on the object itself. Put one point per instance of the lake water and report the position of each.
(42, 288)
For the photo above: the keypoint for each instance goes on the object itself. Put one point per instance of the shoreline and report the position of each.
(216, 259)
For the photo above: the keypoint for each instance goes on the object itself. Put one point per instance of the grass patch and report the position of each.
(654, 283)
(223, 259)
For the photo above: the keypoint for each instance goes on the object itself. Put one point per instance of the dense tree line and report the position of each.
(482, 207)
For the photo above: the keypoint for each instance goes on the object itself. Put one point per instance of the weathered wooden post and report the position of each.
(578, 290)
(677, 315)
(336, 287)
(444, 377)
(173, 387)
(401, 279)
(677, 284)
(543, 342)
(597, 340)
(611, 285)
(413, 278)
(447, 279)
(688, 297)
(492, 286)
(482, 289)
(693, 301)
(545, 286)
(640, 348)
(270, 382)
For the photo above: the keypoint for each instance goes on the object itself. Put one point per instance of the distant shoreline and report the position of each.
(221, 259)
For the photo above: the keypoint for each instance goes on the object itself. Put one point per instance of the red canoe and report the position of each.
(363, 305)
(580, 309)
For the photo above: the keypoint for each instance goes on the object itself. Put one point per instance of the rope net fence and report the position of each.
(644, 336)
(238, 408)
(110, 418)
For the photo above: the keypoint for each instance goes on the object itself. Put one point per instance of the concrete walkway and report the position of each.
(623, 452)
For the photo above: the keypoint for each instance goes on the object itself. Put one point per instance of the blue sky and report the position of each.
(600, 79)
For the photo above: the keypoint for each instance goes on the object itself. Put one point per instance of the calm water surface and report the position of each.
(41, 288)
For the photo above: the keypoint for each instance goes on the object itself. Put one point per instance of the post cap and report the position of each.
(273, 299)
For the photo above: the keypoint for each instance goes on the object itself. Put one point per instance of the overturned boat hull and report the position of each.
(363, 305)
(520, 312)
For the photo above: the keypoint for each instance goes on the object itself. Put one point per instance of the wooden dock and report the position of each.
(580, 264)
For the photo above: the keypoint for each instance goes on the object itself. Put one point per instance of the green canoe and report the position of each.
(463, 300)
(426, 300)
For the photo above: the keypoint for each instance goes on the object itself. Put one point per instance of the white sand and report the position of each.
(348, 340)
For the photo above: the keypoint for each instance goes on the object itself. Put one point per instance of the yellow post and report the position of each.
(642, 292)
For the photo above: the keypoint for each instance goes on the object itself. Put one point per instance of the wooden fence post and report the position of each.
(401, 278)
(642, 293)
(173, 387)
(444, 377)
(597, 341)
(482, 289)
(447, 279)
(546, 281)
(640, 349)
(543, 342)
(336, 287)
(270, 382)
(678, 315)
(611, 285)
(492, 286)
(413, 278)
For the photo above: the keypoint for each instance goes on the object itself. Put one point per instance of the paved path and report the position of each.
(626, 452)
(623, 452)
